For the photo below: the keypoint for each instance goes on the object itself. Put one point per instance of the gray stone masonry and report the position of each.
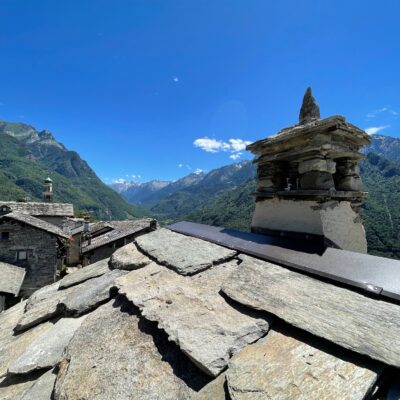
(41, 247)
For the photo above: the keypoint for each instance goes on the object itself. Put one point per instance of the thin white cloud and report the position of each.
(235, 156)
(372, 130)
(180, 165)
(175, 79)
(211, 145)
(119, 180)
(238, 144)
(385, 109)
(233, 146)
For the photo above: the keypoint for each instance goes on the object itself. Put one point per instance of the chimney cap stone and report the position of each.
(309, 109)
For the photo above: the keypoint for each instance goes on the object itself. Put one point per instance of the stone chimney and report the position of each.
(48, 190)
(308, 180)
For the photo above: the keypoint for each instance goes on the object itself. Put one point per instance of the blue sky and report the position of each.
(134, 86)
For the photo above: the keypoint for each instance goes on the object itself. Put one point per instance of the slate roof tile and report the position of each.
(36, 223)
(40, 209)
(11, 278)
(120, 230)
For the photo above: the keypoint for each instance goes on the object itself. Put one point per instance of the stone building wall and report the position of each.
(74, 251)
(106, 251)
(41, 248)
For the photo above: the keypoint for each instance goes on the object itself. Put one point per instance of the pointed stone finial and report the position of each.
(309, 109)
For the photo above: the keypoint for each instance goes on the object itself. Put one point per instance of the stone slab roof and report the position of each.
(161, 322)
(119, 230)
(41, 209)
(331, 124)
(11, 278)
(36, 223)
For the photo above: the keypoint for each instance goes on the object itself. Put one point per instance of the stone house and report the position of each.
(33, 244)
(103, 238)
(53, 213)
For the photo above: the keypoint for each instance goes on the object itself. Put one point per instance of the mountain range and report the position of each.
(28, 156)
(224, 196)
(220, 197)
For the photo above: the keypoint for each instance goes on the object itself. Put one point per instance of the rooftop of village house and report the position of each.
(40, 208)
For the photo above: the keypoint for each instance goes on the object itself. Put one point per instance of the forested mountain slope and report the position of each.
(381, 211)
(27, 157)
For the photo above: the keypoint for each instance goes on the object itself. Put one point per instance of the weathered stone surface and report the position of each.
(91, 293)
(13, 349)
(184, 254)
(74, 300)
(309, 108)
(41, 294)
(42, 388)
(350, 183)
(46, 350)
(194, 316)
(317, 180)
(8, 321)
(43, 308)
(215, 390)
(365, 325)
(115, 355)
(317, 164)
(213, 278)
(281, 367)
(128, 258)
(91, 271)
(14, 387)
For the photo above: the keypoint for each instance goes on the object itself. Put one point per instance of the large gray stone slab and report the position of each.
(14, 387)
(13, 349)
(91, 293)
(48, 305)
(115, 355)
(8, 321)
(91, 271)
(128, 258)
(356, 322)
(46, 350)
(74, 300)
(198, 319)
(184, 254)
(42, 389)
(281, 367)
(42, 294)
(215, 390)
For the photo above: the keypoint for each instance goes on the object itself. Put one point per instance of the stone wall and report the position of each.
(41, 249)
(74, 251)
(107, 250)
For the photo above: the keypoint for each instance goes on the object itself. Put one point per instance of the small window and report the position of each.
(22, 255)
(5, 235)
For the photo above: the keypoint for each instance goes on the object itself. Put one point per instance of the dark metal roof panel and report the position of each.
(377, 275)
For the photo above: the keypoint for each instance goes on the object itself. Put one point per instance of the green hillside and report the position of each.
(234, 207)
(170, 207)
(28, 156)
(381, 178)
